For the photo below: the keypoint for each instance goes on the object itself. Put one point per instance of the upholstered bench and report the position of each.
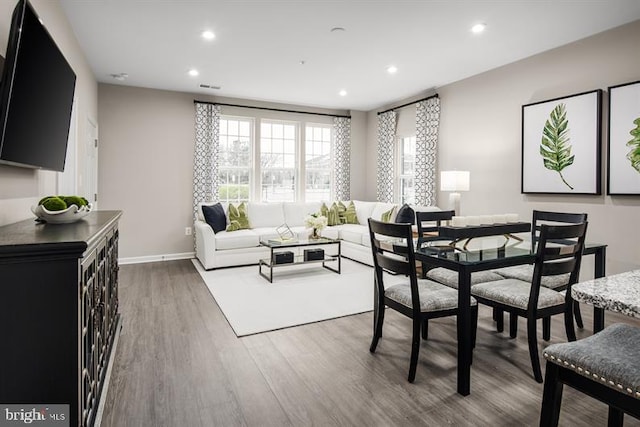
(605, 366)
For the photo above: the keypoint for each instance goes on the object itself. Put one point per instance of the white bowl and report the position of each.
(66, 216)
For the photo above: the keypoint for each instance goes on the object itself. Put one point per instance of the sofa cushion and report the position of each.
(214, 216)
(295, 213)
(364, 210)
(351, 216)
(266, 214)
(353, 233)
(331, 232)
(236, 239)
(238, 219)
(333, 215)
(379, 210)
(406, 215)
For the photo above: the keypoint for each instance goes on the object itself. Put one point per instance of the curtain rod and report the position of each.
(408, 103)
(269, 109)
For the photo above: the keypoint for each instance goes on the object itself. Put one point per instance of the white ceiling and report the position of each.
(259, 44)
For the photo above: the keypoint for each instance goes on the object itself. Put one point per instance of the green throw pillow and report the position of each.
(238, 219)
(324, 210)
(386, 216)
(342, 209)
(333, 215)
(350, 214)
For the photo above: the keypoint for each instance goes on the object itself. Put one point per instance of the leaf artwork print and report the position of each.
(634, 154)
(555, 148)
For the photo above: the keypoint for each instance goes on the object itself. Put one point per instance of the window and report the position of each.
(317, 162)
(406, 169)
(235, 170)
(278, 141)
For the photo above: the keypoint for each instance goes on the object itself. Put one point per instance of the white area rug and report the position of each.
(299, 294)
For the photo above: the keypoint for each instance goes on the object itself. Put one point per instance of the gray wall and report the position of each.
(480, 131)
(19, 187)
(146, 163)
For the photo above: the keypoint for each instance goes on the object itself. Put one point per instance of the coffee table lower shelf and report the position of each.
(299, 260)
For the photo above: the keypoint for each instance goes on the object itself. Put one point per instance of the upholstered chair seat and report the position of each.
(515, 293)
(604, 366)
(433, 295)
(450, 278)
(525, 273)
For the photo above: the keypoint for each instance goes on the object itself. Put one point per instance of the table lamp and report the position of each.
(454, 181)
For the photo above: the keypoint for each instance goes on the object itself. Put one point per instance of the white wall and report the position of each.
(146, 162)
(480, 131)
(21, 187)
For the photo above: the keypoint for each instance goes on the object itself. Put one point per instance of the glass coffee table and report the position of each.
(284, 253)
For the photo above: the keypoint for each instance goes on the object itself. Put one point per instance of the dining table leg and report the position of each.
(464, 332)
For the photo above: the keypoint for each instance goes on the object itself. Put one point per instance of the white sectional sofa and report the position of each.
(242, 247)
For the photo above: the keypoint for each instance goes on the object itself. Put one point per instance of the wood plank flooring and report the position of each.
(178, 363)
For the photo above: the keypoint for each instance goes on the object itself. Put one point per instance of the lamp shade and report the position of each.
(454, 181)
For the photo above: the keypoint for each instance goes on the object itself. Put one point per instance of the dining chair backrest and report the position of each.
(559, 252)
(429, 222)
(392, 249)
(553, 218)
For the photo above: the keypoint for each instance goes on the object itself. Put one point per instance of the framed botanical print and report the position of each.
(561, 145)
(623, 172)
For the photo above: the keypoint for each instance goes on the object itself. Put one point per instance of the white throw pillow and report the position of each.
(295, 213)
(363, 210)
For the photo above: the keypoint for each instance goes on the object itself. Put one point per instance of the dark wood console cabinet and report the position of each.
(58, 312)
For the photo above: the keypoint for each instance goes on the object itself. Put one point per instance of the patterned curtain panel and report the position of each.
(205, 169)
(427, 123)
(342, 158)
(386, 142)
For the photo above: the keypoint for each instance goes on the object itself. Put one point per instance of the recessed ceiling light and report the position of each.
(208, 35)
(392, 69)
(342, 93)
(337, 29)
(193, 72)
(478, 28)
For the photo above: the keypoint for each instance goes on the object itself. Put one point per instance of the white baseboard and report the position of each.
(156, 258)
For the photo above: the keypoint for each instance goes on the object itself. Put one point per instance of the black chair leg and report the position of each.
(616, 417)
(577, 314)
(415, 349)
(568, 325)
(378, 320)
(532, 337)
(552, 397)
(425, 329)
(500, 320)
(513, 325)
(546, 328)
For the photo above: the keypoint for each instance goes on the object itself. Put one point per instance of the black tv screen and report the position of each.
(36, 96)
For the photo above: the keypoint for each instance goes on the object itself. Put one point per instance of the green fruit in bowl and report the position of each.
(74, 200)
(54, 204)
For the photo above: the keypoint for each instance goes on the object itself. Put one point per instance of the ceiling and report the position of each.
(259, 46)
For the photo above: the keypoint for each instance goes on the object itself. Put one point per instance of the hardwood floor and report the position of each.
(178, 363)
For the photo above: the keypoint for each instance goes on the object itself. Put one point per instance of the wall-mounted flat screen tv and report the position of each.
(36, 95)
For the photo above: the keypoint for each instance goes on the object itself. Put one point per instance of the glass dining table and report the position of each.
(485, 254)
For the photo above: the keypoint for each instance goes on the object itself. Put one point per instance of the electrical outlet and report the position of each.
(187, 231)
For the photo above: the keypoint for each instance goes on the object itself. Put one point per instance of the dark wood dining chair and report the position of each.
(559, 251)
(604, 366)
(525, 272)
(419, 299)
